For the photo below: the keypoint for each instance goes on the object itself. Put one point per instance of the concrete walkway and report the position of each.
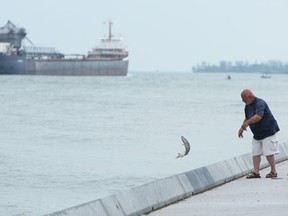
(243, 196)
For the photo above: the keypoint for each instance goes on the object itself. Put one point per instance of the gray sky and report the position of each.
(161, 35)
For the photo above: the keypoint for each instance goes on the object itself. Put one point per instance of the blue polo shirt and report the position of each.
(267, 126)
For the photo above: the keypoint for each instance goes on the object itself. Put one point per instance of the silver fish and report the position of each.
(187, 147)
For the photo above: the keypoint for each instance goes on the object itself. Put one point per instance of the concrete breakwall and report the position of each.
(160, 193)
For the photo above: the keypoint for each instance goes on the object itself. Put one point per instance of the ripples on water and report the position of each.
(69, 140)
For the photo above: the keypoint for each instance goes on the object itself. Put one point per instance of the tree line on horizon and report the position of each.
(271, 66)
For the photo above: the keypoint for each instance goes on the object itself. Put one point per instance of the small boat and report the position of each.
(266, 75)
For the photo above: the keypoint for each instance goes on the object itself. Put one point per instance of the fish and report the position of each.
(187, 147)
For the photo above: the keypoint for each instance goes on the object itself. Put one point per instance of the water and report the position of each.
(68, 140)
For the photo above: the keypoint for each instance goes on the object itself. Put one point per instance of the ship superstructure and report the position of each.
(109, 48)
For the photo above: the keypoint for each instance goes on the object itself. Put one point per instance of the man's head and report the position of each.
(247, 96)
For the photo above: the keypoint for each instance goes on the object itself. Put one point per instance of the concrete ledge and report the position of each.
(188, 188)
(157, 194)
(200, 179)
(106, 206)
(247, 158)
(283, 153)
(219, 172)
(148, 197)
(242, 165)
(284, 149)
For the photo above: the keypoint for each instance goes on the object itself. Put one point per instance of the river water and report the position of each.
(69, 140)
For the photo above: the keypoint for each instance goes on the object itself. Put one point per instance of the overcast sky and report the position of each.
(161, 35)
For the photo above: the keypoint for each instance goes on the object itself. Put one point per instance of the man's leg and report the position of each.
(271, 161)
(256, 163)
(256, 153)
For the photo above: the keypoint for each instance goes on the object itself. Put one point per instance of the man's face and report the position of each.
(246, 99)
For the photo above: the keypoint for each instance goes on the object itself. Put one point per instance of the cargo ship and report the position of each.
(109, 58)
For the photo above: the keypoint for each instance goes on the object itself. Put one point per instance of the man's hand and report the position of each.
(240, 132)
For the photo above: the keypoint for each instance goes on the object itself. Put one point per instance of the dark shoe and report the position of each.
(253, 175)
(271, 175)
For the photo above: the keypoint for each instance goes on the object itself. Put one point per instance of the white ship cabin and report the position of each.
(109, 48)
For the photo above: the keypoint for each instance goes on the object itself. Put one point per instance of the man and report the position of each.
(264, 128)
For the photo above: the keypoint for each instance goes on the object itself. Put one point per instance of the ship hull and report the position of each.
(19, 65)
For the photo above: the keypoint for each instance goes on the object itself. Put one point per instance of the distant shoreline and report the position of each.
(243, 67)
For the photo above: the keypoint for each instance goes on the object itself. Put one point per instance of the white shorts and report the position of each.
(267, 146)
